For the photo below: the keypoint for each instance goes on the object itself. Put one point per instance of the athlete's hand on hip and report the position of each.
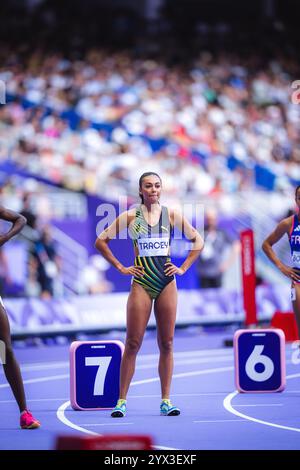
(172, 269)
(289, 272)
(137, 271)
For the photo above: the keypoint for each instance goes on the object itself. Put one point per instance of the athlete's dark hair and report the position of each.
(144, 175)
(296, 190)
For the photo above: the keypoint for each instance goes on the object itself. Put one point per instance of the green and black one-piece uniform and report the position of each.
(152, 250)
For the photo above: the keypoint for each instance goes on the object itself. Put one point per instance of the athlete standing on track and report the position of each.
(151, 228)
(291, 227)
(10, 364)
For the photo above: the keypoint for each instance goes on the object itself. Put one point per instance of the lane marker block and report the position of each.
(95, 374)
(259, 359)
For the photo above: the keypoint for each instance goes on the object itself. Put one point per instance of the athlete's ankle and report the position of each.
(122, 400)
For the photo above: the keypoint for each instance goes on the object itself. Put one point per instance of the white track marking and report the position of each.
(41, 379)
(143, 357)
(185, 374)
(199, 360)
(36, 366)
(107, 424)
(222, 421)
(260, 404)
(61, 410)
(35, 400)
(228, 406)
(61, 416)
(40, 366)
(196, 352)
(179, 395)
(130, 396)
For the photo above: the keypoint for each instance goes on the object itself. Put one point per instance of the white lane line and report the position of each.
(178, 363)
(61, 416)
(36, 366)
(196, 352)
(182, 362)
(228, 406)
(260, 404)
(35, 400)
(293, 376)
(185, 374)
(107, 424)
(41, 379)
(179, 395)
(61, 410)
(222, 421)
(191, 361)
(40, 366)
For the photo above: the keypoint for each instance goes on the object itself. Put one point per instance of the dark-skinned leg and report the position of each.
(11, 366)
(296, 306)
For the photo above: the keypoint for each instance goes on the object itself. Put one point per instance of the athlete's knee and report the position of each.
(133, 345)
(165, 345)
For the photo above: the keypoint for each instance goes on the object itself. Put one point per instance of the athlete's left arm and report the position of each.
(179, 221)
(16, 219)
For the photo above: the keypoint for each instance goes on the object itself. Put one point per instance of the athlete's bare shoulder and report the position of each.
(131, 213)
(172, 214)
(287, 223)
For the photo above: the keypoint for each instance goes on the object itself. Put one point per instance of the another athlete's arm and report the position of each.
(17, 220)
(191, 234)
(119, 224)
(282, 228)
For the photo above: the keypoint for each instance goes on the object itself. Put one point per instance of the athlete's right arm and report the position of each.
(282, 228)
(119, 224)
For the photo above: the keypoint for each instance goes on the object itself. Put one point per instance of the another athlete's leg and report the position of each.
(13, 374)
(296, 306)
(10, 365)
(165, 312)
(138, 312)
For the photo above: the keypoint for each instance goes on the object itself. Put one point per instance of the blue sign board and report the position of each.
(259, 360)
(95, 374)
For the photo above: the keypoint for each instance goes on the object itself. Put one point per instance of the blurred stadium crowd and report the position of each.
(88, 124)
(86, 117)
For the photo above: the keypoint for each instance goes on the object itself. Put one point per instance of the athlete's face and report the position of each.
(151, 189)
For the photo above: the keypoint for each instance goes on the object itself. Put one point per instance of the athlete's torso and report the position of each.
(151, 240)
(152, 250)
(294, 238)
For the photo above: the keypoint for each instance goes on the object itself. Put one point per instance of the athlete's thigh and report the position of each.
(296, 301)
(165, 307)
(139, 306)
(4, 325)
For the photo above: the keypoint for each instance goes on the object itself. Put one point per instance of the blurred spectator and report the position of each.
(48, 264)
(32, 286)
(27, 212)
(93, 279)
(214, 260)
